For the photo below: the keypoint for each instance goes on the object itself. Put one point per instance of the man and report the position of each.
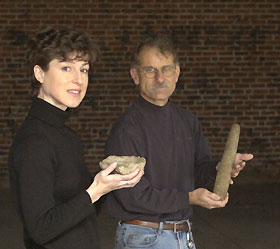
(155, 213)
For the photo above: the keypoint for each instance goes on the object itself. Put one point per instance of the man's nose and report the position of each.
(160, 77)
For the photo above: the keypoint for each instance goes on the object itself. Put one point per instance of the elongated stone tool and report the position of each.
(225, 168)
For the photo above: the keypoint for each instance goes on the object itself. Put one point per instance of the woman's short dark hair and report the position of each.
(163, 43)
(58, 43)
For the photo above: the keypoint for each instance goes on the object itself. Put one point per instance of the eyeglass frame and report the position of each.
(156, 71)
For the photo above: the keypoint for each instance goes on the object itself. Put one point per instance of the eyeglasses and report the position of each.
(151, 72)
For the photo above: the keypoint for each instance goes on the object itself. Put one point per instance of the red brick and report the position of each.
(229, 54)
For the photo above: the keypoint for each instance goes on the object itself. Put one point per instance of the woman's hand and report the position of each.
(105, 182)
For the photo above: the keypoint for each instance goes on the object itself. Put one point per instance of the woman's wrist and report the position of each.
(93, 193)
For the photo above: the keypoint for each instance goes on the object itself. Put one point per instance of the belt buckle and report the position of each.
(175, 227)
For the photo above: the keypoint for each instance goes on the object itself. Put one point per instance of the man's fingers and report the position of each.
(246, 157)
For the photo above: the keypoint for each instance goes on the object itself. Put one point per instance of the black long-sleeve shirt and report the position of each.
(177, 161)
(48, 178)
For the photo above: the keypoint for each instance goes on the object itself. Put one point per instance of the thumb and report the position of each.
(110, 168)
(215, 197)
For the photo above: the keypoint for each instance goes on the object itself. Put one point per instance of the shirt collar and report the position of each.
(149, 105)
(48, 113)
(154, 110)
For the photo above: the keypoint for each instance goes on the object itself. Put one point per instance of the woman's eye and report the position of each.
(84, 70)
(67, 69)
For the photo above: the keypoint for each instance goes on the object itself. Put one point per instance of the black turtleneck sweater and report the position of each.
(48, 178)
(177, 161)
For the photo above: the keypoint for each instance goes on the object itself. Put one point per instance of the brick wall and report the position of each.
(229, 52)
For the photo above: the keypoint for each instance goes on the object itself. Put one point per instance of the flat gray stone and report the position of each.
(125, 164)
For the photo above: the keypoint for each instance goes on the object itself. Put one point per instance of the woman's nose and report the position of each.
(77, 77)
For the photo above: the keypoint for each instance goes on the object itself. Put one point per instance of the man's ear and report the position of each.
(177, 72)
(39, 73)
(134, 75)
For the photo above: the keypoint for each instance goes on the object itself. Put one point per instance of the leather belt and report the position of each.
(176, 227)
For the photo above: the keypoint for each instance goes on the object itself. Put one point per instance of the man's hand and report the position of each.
(204, 198)
(239, 163)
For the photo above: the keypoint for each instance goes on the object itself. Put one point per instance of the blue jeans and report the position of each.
(132, 236)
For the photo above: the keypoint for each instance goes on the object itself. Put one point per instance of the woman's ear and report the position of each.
(134, 75)
(39, 73)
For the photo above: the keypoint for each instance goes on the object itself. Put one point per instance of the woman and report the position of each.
(54, 192)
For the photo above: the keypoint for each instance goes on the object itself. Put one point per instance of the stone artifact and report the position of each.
(125, 164)
(225, 168)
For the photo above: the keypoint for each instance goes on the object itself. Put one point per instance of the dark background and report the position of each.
(229, 53)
